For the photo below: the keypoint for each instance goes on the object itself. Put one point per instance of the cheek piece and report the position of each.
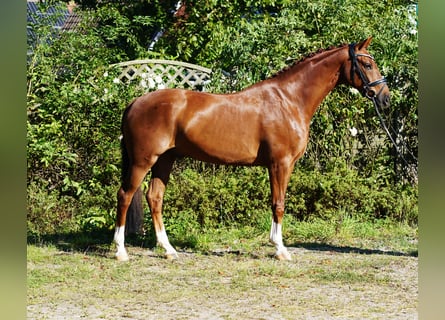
(367, 89)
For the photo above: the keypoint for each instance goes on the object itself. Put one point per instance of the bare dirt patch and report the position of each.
(318, 284)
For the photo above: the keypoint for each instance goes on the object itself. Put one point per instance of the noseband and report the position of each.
(367, 90)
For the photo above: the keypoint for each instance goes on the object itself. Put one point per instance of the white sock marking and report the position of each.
(162, 239)
(119, 239)
(276, 238)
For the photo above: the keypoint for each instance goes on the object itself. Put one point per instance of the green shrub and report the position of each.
(49, 213)
(316, 194)
(217, 196)
(220, 196)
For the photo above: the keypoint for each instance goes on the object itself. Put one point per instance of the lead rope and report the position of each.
(385, 127)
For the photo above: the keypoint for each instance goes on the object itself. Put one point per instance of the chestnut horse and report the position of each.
(266, 124)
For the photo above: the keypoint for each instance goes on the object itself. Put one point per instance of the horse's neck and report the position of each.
(311, 81)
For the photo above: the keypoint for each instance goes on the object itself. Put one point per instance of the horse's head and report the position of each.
(362, 73)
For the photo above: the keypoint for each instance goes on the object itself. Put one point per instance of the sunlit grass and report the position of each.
(348, 234)
(366, 264)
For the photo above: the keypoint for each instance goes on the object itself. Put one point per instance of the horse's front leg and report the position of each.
(279, 174)
(155, 195)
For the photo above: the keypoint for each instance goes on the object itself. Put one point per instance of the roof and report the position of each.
(60, 16)
(71, 22)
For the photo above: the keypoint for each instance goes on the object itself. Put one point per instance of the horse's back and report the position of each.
(221, 128)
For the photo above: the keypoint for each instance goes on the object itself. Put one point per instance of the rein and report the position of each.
(385, 127)
(369, 93)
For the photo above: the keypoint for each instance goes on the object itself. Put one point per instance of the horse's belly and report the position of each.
(224, 148)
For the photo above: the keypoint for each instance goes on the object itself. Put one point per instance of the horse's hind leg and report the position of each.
(155, 195)
(125, 194)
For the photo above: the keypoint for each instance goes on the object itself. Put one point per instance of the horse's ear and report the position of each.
(364, 44)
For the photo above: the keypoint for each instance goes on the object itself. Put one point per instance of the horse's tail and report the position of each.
(135, 213)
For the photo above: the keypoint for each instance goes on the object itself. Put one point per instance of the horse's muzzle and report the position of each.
(383, 100)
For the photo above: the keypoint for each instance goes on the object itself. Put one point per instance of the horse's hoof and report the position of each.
(283, 256)
(171, 256)
(122, 257)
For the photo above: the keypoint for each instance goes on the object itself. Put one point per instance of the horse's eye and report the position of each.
(368, 66)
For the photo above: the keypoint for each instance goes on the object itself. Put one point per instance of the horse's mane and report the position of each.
(305, 57)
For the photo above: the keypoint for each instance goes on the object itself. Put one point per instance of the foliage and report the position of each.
(213, 197)
(130, 26)
(48, 213)
(74, 109)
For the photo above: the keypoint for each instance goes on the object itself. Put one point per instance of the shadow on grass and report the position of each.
(100, 242)
(348, 249)
(97, 242)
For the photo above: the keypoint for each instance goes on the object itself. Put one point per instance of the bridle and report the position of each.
(367, 89)
(369, 93)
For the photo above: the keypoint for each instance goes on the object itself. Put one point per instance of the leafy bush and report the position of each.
(74, 113)
(219, 196)
(48, 212)
(315, 194)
